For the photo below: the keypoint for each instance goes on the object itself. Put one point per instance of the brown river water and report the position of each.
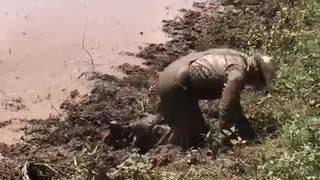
(41, 53)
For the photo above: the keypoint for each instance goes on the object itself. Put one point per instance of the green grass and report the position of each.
(294, 42)
(295, 100)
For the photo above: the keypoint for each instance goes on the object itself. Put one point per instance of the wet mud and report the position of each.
(46, 45)
(81, 130)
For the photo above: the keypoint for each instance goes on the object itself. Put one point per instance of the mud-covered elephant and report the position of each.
(212, 74)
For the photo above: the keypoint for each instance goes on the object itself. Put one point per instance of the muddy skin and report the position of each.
(211, 74)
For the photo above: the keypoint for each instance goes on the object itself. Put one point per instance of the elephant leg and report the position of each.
(184, 116)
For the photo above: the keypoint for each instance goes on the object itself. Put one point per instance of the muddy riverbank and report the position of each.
(72, 142)
(43, 49)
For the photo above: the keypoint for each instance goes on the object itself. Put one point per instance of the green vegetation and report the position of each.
(294, 42)
(294, 105)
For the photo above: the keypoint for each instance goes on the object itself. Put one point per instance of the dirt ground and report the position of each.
(80, 130)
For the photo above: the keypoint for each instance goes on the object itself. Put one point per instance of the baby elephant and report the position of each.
(209, 75)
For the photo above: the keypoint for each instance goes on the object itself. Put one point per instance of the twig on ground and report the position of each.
(47, 166)
(94, 151)
(24, 171)
(5, 98)
(62, 166)
(82, 74)
(53, 107)
(140, 102)
(83, 45)
(187, 174)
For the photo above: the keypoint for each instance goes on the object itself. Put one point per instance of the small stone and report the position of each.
(312, 102)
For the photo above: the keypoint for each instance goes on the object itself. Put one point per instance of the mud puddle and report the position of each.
(42, 55)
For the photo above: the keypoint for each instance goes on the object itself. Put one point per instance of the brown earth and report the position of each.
(81, 130)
